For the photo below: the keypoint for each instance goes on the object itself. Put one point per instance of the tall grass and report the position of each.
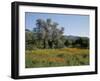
(56, 57)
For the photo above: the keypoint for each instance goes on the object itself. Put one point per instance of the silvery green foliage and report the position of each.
(48, 32)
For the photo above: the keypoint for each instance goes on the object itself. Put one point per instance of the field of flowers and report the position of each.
(56, 57)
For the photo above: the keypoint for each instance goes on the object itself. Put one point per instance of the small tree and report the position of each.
(82, 42)
(67, 43)
(29, 40)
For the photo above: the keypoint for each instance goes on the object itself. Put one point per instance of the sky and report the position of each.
(76, 25)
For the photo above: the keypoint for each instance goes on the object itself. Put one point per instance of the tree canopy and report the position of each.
(48, 34)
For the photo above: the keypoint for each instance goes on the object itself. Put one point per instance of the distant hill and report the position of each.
(73, 38)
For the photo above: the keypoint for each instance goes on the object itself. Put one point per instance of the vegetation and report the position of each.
(46, 46)
(47, 34)
(57, 57)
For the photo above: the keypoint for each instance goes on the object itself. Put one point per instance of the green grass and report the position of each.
(56, 57)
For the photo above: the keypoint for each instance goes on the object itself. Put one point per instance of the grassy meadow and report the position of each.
(56, 57)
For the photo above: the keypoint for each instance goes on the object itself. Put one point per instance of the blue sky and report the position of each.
(77, 25)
